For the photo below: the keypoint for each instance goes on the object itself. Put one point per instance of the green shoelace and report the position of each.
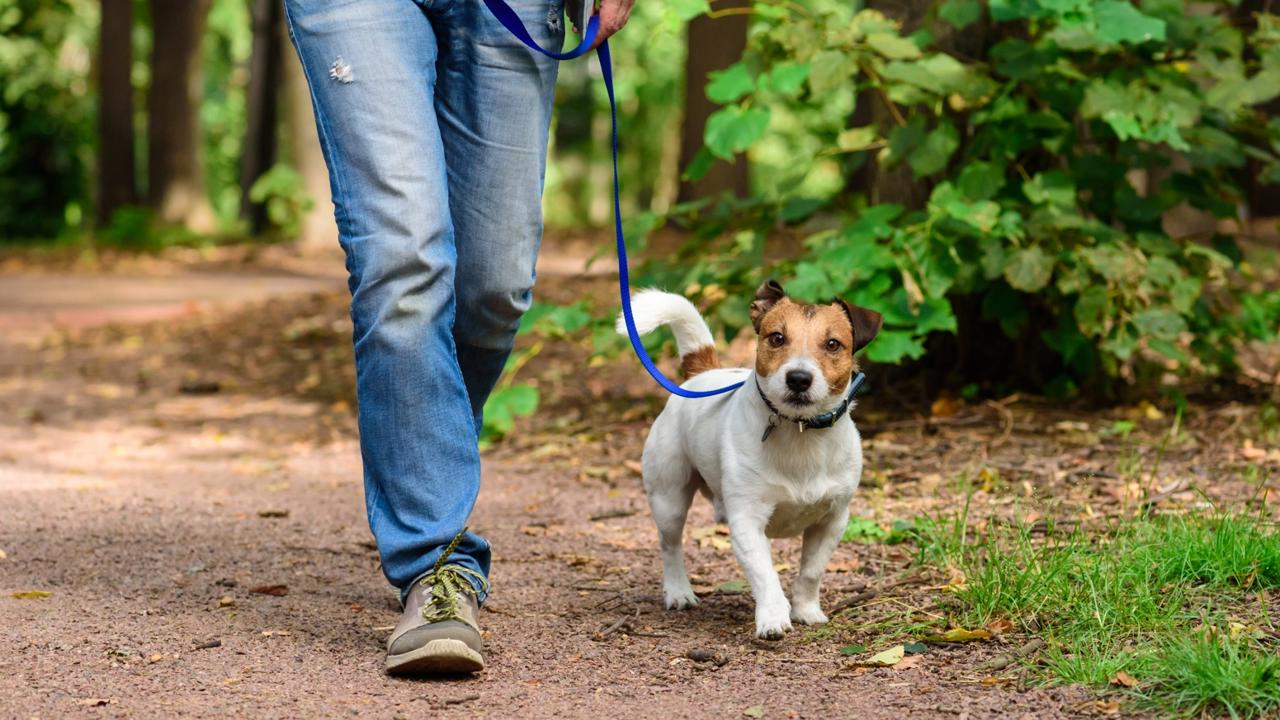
(448, 583)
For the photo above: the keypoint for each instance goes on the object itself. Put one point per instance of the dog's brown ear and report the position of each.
(767, 295)
(866, 323)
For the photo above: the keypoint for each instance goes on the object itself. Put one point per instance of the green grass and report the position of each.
(1171, 601)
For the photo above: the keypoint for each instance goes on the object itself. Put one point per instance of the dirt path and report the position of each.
(203, 543)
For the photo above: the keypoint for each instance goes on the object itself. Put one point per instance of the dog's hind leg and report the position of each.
(820, 541)
(671, 487)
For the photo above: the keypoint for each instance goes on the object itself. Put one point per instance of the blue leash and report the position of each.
(511, 21)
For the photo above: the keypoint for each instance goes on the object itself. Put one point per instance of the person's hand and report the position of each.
(613, 15)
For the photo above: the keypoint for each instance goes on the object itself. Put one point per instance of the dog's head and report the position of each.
(804, 356)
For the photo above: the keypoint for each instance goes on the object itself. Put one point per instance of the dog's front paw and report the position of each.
(679, 598)
(808, 614)
(773, 620)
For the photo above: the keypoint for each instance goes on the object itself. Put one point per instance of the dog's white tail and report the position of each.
(655, 308)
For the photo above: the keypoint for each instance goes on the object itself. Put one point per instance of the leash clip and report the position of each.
(800, 424)
(773, 424)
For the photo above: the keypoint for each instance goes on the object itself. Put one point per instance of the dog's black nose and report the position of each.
(799, 380)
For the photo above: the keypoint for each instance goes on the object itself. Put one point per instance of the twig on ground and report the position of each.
(1003, 661)
(1148, 505)
(611, 514)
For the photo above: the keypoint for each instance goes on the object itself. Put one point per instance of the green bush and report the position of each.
(1031, 231)
(286, 200)
(45, 120)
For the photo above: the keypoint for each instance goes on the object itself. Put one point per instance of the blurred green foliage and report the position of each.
(1033, 158)
(46, 115)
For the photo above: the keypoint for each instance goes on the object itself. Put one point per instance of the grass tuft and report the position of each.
(1161, 599)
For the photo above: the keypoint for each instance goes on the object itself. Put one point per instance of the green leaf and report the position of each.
(940, 74)
(980, 180)
(1051, 188)
(732, 129)
(853, 649)
(687, 10)
(932, 155)
(859, 138)
(863, 530)
(1029, 269)
(1092, 309)
(893, 46)
(892, 346)
(1118, 21)
(831, 69)
(787, 77)
(730, 84)
(732, 587)
(699, 165)
(505, 405)
(1169, 350)
(1159, 323)
(960, 14)
(811, 281)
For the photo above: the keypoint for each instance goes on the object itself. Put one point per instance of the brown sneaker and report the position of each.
(438, 631)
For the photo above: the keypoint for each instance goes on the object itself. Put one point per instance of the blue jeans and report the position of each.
(434, 122)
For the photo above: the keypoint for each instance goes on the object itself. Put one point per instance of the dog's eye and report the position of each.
(834, 345)
(775, 339)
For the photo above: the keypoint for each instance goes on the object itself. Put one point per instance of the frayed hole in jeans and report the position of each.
(341, 71)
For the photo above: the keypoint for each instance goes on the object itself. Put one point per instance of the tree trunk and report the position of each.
(175, 172)
(319, 230)
(117, 172)
(262, 107)
(713, 44)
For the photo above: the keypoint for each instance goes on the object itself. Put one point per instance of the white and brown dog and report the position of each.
(748, 451)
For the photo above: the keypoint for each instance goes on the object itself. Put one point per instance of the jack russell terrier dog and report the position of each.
(748, 450)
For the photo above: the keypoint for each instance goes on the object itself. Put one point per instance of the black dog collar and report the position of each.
(819, 422)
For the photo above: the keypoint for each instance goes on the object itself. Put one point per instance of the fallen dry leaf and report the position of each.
(945, 406)
(94, 702)
(999, 626)
(277, 590)
(960, 635)
(1107, 707)
(226, 601)
(1124, 679)
(888, 658)
(909, 662)
(755, 711)
(1251, 453)
(273, 513)
(31, 594)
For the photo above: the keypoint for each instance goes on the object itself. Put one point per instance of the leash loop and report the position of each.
(511, 21)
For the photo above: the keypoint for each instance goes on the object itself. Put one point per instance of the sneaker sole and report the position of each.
(437, 657)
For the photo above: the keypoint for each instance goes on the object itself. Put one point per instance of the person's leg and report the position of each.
(371, 65)
(493, 104)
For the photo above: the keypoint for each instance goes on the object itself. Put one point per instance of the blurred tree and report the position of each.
(714, 44)
(117, 171)
(319, 230)
(176, 186)
(262, 107)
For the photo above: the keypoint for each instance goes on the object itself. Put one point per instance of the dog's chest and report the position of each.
(801, 504)
(789, 520)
